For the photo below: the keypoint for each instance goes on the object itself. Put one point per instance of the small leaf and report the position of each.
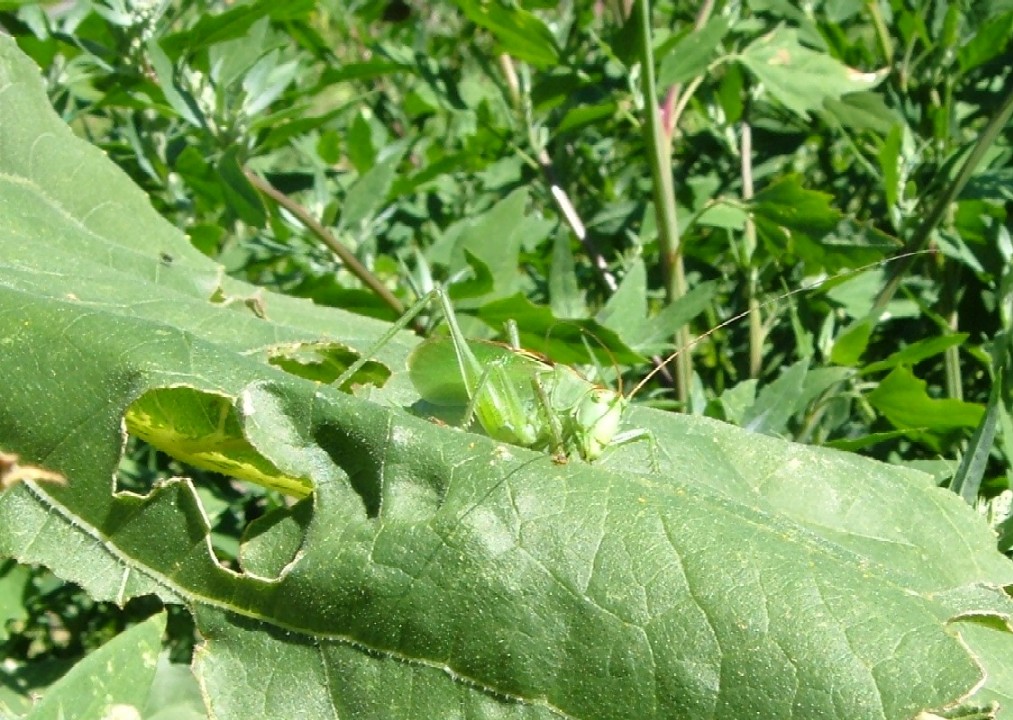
(799, 78)
(723, 214)
(860, 443)
(852, 341)
(174, 693)
(479, 281)
(495, 237)
(902, 399)
(691, 54)
(889, 158)
(230, 60)
(563, 339)
(657, 332)
(15, 581)
(581, 115)
(778, 401)
(370, 191)
(862, 111)
(789, 205)
(736, 400)
(266, 81)
(626, 309)
(179, 99)
(990, 41)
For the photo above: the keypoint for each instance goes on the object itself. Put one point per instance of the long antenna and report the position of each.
(773, 301)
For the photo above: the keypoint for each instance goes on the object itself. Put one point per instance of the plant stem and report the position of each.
(920, 239)
(313, 225)
(659, 150)
(882, 34)
(756, 332)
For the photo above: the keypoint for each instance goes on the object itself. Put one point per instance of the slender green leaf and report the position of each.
(860, 443)
(370, 191)
(658, 331)
(562, 339)
(231, 24)
(239, 193)
(14, 580)
(626, 309)
(916, 352)
(862, 111)
(519, 32)
(991, 40)
(967, 480)
(178, 98)
(174, 694)
(850, 344)
(565, 297)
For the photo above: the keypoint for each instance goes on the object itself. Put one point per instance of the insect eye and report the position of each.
(603, 396)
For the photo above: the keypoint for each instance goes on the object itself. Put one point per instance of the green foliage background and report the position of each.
(354, 154)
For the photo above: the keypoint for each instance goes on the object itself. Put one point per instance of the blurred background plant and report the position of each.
(560, 168)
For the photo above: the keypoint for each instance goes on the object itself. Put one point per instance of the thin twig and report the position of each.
(324, 235)
(559, 195)
(679, 105)
(920, 239)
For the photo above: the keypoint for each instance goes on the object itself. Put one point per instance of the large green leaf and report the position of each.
(436, 573)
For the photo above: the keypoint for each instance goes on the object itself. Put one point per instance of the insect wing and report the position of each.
(433, 369)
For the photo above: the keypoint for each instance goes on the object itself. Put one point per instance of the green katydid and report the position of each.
(521, 399)
(516, 397)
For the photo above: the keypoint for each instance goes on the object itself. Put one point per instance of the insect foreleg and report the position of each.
(635, 435)
(551, 419)
(398, 325)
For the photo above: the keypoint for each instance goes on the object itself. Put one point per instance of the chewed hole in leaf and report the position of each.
(272, 540)
(203, 430)
(186, 432)
(324, 362)
(229, 506)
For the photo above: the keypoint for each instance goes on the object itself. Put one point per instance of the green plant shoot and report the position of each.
(515, 396)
